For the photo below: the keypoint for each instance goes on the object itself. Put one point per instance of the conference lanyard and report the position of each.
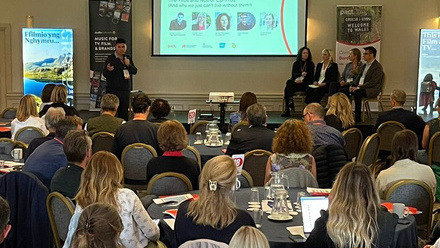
(58, 140)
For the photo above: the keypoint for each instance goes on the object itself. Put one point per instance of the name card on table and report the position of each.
(192, 116)
(239, 161)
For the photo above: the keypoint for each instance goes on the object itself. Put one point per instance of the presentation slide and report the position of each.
(229, 27)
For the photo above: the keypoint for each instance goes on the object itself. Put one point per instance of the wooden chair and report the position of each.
(192, 152)
(199, 126)
(369, 150)
(135, 158)
(27, 134)
(417, 194)
(386, 131)
(366, 101)
(353, 141)
(434, 149)
(169, 183)
(102, 141)
(245, 179)
(9, 113)
(60, 210)
(238, 125)
(255, 163)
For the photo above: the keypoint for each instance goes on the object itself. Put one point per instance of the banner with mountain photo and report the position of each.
(47, 59)
(358, 26)
(108, 21)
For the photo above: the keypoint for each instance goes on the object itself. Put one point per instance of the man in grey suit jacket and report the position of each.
(369, 81)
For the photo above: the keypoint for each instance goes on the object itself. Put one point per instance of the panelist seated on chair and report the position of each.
(50, 156)
(173, 139)
(404, 165)
(369, 81)
(106, 122)
(27, 116)
(53, 115)
(138, 130)
(323, 134)
(78, 149)
(351, 71)
(254, 136)
(213, 216)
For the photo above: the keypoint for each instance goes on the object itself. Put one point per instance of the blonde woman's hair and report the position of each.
(329, 52)
(294, 136)
(353, 208)
(99, 226)
(26, 108)
(214, 208)
(340, 105)
(100, 180)
(59, 94)
(248, 237)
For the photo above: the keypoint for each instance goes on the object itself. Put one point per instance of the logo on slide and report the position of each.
(222, 45)
(234, 45)
(206, 45)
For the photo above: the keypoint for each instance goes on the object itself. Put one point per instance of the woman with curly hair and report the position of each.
(291, 147)
(339, 114)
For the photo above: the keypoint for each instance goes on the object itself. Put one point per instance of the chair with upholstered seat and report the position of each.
(60, 210)
(102, 141)
(300, 178)
(169, 183)
(255, 163)
(245, 179)
(134, 159)
(353, 141)
(369, 150)
(366, 101)
(238, 125)
(199, 126)
(434, 150)
(6, 146)
(8, 113)
(386, 131)
(417, 194)
(27, 134)
(192, 152)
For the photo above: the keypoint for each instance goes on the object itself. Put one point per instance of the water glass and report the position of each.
(227, 138)
(198, 136)
(255, 197)
(257, 215)
(298, 197)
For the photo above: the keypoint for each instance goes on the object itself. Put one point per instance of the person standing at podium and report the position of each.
(119, 70)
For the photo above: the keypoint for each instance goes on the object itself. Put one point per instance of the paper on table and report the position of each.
(170, 222)
(296, 230)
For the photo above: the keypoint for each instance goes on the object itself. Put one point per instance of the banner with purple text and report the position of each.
(358, 26)
(108, 20)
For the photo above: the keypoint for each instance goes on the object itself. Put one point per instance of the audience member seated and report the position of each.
(106, 121)
(138, 130)
(45, 95)
(325, 74)
(5, 212)
(59, 99)
(51, 119)
(27, 116)
(369, 81)
(409, 119)
(323, 134)
(254, 136)
(98, 226)
(49, 156)
(292, 146)
(339, 114)
(246, 100)
(354, 217)
(431, 128)
(351, 71)
(160, 109)
(213, 216)
(248, 237)
(404, 165)
(78, 149)
(101, 183)
(172, 140)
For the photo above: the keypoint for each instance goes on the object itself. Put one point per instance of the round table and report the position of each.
(206, 152)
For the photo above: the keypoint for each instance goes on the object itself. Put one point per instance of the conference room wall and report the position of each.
(186, 81)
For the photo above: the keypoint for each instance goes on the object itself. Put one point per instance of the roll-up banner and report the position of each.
(358, 26)
(108, 20)
(47, 59)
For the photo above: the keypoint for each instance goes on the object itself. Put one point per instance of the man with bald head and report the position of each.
(313, 115)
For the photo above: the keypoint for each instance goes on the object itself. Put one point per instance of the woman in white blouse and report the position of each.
(27, 115)
(101, 183)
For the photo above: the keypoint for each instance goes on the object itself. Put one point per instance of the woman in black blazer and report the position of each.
(326, 73)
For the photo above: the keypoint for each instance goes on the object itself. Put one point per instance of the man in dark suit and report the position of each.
(409, 119)
(254, 136)
(369, 81)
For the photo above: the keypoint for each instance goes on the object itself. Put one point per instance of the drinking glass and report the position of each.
(298, 198)
(257, 215)
(255, 197)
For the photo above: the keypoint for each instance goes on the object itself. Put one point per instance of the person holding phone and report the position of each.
(119, 69)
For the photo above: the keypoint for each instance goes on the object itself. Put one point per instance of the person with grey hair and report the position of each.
(5, 212)
(78, 149)
(53, 115)
(254, 136)
(409, 119)
(106, 121)
(323, 134)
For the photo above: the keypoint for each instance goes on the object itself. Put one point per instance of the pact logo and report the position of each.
(222, 45)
